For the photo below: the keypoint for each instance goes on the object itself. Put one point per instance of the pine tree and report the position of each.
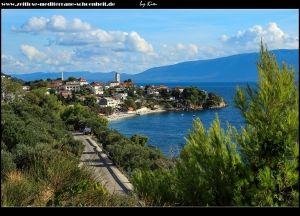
(269, 144)
(255, 167)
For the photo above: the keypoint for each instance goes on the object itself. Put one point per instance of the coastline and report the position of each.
(117, 116)
(122, 115)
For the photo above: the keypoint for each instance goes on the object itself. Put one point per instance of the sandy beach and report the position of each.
(120, 115)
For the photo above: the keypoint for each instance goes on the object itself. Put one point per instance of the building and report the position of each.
(82, 81)
(178, 88)
(116, 82)
(71, 87)
(26, 88)
(121, 95)
(127, 84)
(65, 93)
(5, 76)
(55, 84)
(106, 102)
(96, 87)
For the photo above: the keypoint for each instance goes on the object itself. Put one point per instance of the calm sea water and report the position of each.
(167, 130)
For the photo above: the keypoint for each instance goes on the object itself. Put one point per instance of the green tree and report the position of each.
(213, 99)
(17, 80)
(129, 102)
(258, 166)
(139, 91)
(270, 143)
(71, 79)
(40, 98)
(39, 84)
(140, 139)
(11, 91)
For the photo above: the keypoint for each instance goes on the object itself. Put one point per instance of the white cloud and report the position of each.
(135, 43)
(32, 53)
(34, 24)
(249, 40)
(57, 23)
(9, 60)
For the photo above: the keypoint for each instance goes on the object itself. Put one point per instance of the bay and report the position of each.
(168, 130)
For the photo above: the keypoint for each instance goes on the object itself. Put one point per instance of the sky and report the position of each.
(134, 40)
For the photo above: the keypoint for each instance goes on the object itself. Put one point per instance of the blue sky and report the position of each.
(134, 40)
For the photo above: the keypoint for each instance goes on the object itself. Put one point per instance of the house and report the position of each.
(26, 88)
(82, 81)
(106, 102)
(112, 84)
(178, 88)
(96, 87)
(127, 84)
(152, 91)
(65, 93)
(82, 97)
(5, 76)
(121, 95)
(55, 84)
(71, 87)
(130, 110)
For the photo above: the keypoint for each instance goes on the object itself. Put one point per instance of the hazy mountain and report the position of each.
(235, 68)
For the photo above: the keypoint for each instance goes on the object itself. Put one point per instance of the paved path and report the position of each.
(103, 168)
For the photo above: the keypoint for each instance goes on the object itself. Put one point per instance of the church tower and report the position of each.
(62, 76)
(117, 77)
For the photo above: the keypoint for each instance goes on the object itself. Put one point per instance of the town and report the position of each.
(115, 97)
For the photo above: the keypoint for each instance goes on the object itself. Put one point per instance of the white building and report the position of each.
(96, 88)
(82, 81)
(121, 95)
(71, 87)
(112, 84)
(106, 102)
(26, 88)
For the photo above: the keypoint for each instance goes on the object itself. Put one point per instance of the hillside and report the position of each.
(235, 68)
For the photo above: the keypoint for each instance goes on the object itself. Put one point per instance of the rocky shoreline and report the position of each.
(194, 107)
(162, 109)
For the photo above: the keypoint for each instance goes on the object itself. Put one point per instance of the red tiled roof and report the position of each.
(82, 80)
(127, 83)
(96, 84)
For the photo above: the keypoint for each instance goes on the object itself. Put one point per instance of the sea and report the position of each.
(168, 130)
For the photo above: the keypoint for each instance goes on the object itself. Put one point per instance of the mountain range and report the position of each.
(235, 68)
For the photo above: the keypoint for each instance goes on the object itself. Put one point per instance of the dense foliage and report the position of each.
(258, 166)
(40, 158)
